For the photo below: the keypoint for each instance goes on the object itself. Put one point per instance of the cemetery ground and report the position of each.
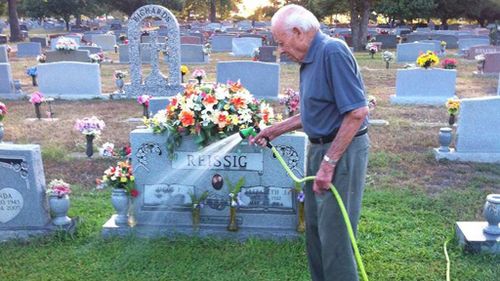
(410, 205)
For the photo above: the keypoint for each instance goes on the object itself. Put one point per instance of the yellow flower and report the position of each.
(227, 106)
(132, 178)
(123, 179)
(184, 69)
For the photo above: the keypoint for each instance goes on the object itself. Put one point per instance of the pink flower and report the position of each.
(144, 99)
(36, 98)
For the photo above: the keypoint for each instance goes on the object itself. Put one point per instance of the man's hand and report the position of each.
(267, 134)
(323, 178)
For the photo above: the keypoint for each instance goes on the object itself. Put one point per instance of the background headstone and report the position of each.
(91, 49)
(465, 44)
(409, 52)
(77, 55)
(6, 81)
(245, 47)
(106, 42)
(260, 78)
(222, 43)
(29, 49)
(41, 40)
(3, 54)
(70, 80)
(476, 50)
(267, 53)
(193, 54)
(388, 41)
(492, 63)
(191, 40)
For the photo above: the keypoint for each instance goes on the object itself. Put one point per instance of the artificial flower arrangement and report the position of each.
(119, 74)
(452, 106)
(443, 47)
(32, 72)
(184, 70)
(42, 58)
(255, 54)
(427, 59)
(199, 74)
(198, 202)
(207, 49)
(96, 58)
(235, 192)
(36, 98)
(66, 44)
(121, 177)
(89, 126)
(449, 63)
(291, 99)
(108, 150)
(372, 102)
(372, 49)
(387, 57)
(209, 112)
(143, 100)
(3, 111)
(58, 188)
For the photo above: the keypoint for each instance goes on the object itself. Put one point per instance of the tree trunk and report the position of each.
(66, 20)
(360, 13)
(444, 24)
(15, 31)
(213, 10)
(78, 20)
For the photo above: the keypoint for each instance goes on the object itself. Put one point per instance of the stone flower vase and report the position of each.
(120, 201)
(233, 225)
(1, 131)
(301, 219)
(89, 150)
(445, 137)
(196, 215)
(33, 81)
(145, 110)
(119, 84)
(491, 213)
(37, 110)
(59, 207)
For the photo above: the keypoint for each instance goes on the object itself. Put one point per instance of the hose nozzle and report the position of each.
(250, 131)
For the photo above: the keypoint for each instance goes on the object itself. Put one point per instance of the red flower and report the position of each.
(134, 192)
(187, 118)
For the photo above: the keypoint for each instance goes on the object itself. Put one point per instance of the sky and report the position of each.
(248, 6)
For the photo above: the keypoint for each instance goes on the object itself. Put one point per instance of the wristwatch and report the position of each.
(329, 160)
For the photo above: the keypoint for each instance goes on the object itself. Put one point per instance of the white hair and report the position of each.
(295, 16)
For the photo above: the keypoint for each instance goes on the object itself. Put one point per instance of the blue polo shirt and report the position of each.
(330, 86)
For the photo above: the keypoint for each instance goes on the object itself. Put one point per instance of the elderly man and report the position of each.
(333, 114)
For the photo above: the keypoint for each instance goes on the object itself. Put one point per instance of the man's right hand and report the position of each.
(265, 135)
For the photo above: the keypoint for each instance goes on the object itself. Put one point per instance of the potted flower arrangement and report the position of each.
(207, 49)
(32, 71)
(96, 58)
(372, 49)
(427, 59)
(234, 202)
(449, 63)
(209, 112)
(443, 47)
(197, 203)
(452, 106)
(119, 76)
(255, 54)
(184, 71)
(387, 57)
(41, 58)
(291, 100)
(199, 74)
(90, 127)
(3, 112)
(121, 179)
(144, 101)
(372, 102)
(480, 59)
(36, 99)
(108, 150)
(58, 192)
(66, 44)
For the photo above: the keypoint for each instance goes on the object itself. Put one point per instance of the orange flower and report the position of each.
(190, 90)
(221, 119)
(187, 118)
(209, 100)
(238, 102)
(265, 115)
(235, 86)
(173, 101)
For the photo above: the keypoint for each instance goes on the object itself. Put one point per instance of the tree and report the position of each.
(405, 9)
(360, 13)
(129, 6)
(325, 8)
(35, 8)
(483, 11)
(449, 9)
(64, 9)
(15, 31)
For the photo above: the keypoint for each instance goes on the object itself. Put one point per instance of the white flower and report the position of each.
(221, 92)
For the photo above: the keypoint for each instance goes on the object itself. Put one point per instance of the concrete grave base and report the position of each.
(479, 157)
(418, 100)
(378, 122)
(16, 96)
(41, 120)
(478, 74)
(111, 229)
(472, 237)
(24, 234)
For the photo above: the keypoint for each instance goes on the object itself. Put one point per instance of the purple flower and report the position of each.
(301, 196)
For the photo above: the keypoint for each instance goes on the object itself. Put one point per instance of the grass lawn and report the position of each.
(409, 209)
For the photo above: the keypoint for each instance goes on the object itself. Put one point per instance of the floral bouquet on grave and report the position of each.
(42, 58)
(198, 202)
(372, 48)
(121, 177)
(372, 102)
(58, 188)
(96, 58)
(119, 74)
(209, 112)
(107, 150)
(184, 70)
(66, 44)
(235, 192)
(144, 101)
(199, 74)
(480, 59)
(291, 99)
(427, 59)
(3, 111)
(31, 71)
(387, 57)
(36, 98)
(449, 63)
(255, 54)
(207, 49)
(443, 46)
(452, 106)
(89, 126)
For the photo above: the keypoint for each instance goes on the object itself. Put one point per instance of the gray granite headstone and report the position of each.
(262, 79)
(41, 40)
(76, 55)
(193, 54)
(53, 41)
(465, 44)
(3, 39)
(29, 49)
(87, 36)
(3, 54)
(477, 50)
(492, 63)
(91, 49)
(424, 86)
(388, 41)
(414, 37)
(478, 136)
(123, 53)
(409, 52)
(70, 80)
(190, 40)
(268, 209)
(451, 40)
(155, 84)
(222, 43)
(267, 54)
(245, 47)
(436, 43)
(6, 80)
(23, 205)
(106, 42)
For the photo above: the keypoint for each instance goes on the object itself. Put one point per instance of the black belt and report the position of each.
(331, 137)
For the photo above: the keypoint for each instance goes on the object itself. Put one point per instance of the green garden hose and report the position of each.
(341, 205)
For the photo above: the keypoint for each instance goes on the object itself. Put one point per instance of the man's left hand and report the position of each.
(323, 178)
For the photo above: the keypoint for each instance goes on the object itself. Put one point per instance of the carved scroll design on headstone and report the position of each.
(147, 148)
(18, 165)
(291, 157)
(217, 202)
(166, 86)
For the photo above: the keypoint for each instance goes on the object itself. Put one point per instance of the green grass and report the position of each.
(401, 236)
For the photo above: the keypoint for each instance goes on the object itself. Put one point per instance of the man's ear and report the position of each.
(297, 31)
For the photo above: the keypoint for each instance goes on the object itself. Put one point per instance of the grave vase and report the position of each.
(233, 225)
(386, 65)
(491, 213)
(196, 216)
(33, 80)
(451, 120)
(37, 110)
(199, 78)
(120, 201)
(59, 207)
(1, 132)
(445, 139)
(119, 84)
(145, 110)
(89, 150)
(301, 220)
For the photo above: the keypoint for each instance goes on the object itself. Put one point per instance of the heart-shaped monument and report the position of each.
(11, 204)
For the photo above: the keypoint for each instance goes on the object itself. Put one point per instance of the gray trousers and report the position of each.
(329, 250)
